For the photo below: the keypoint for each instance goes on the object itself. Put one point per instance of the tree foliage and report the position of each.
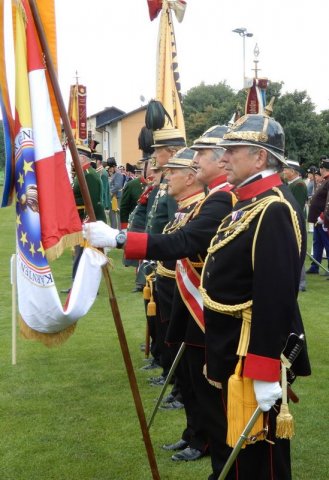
(306, 132)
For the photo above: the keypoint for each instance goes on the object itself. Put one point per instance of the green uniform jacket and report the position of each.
(94, 185)
(130, 195)
(299, 191)
(162, 209)
(105, 188)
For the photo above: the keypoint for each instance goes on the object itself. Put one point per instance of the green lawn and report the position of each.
(67, 413)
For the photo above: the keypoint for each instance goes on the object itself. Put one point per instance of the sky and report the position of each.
(112, 45)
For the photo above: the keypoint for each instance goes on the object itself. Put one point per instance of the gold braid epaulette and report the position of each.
(165, 272)
(238, 227)
(243, 223)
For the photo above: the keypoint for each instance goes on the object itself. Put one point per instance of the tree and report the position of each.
(207, 105)
(306, 132)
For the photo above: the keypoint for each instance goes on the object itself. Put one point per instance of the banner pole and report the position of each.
(13, 281)
(89, 207)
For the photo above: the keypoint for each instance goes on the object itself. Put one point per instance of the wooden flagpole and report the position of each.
(13, 278)
(91, 214)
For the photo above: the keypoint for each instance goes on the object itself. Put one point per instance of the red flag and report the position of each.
(46, 214)
(155, 7)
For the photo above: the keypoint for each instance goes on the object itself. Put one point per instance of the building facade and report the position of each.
(117, 133)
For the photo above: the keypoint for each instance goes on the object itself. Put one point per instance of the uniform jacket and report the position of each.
(130, 195)
(299, 191)
(165, 277)
(230, 278)
(192, 241)
(94, 185)
(318, 201)
(161, 209)
(105, 184)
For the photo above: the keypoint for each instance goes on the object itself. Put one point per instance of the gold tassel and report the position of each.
(146, 292)
(114, 204)
(249, 406)
(284, 420)
(151, 308)
(235, 416)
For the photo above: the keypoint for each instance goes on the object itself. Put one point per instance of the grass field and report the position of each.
(67, 413)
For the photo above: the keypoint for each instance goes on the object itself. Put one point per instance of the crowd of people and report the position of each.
(218, 234)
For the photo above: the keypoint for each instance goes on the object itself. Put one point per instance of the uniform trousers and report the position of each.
(320, 242)
(194, 433)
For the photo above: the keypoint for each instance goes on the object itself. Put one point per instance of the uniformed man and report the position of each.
(317, 217)
(191, 240)
(249, 287)
(98, 157)
(161, 208)
(94, 186)
(292, 175)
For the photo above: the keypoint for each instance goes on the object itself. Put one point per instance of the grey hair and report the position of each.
(218, 153)
(272, 162)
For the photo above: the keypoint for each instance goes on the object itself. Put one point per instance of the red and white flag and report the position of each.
(46, 216)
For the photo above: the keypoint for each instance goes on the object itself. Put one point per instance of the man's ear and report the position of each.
(261, 161)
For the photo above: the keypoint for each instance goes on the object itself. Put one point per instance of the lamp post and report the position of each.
(243, 33)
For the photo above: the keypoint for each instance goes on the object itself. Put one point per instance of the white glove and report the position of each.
(267, 393)
(100, 235)
(319, 221)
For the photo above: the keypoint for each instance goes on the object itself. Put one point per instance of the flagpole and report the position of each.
(89, 207)
(13, 308)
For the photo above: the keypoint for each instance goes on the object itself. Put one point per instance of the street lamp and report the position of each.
(243, 33)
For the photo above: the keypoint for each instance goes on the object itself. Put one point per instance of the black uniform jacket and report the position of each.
(230, 278)
(165, 277)
(190, 241)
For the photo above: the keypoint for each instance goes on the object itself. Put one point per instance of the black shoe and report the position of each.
(150, 366)
(175, 405)
(180, 445)
(159, 378)
(67, 290)
(137, 289)
(169, 398)
(312, 270)
(157, 381)
(302, 289)
(188, 455)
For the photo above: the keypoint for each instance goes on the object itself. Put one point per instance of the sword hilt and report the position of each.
(291, 376)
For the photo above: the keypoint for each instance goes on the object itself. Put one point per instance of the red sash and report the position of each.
(188, 282)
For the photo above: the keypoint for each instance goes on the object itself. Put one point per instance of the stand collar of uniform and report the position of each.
(294, 180)
(217, 181)
(258, 186)
(186, 201)
(86, 166)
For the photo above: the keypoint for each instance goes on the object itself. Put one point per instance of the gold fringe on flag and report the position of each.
(48, 339)
(67, 241)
